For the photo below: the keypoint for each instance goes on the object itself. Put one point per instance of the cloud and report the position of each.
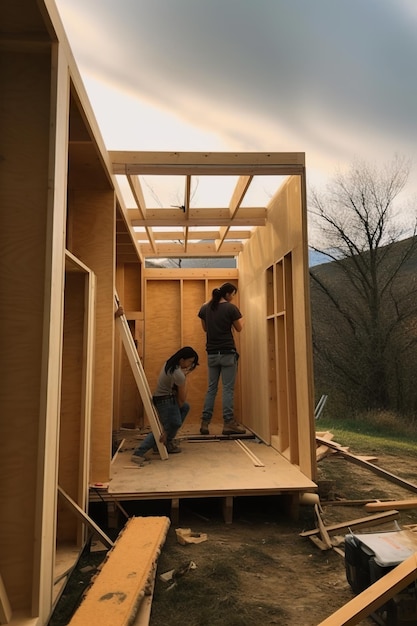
(328, 78)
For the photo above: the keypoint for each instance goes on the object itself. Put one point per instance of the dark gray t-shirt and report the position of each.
(219, 325)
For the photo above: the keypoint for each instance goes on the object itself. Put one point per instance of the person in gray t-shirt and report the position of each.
(170, 401)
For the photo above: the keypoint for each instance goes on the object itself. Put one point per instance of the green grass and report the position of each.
(372, 432)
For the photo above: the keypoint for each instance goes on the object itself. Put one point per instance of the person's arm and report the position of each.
(182, 393)
(238, 324)
(203, 323)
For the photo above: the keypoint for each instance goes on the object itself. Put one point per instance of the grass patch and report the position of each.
(210, 595)
(374, 431)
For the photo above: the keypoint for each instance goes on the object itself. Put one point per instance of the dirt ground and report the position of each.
(281, 578)
(259, 570)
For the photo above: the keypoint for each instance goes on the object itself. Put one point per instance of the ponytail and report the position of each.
(220, 292)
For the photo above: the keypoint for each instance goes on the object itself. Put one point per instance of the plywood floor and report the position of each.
(205, 468)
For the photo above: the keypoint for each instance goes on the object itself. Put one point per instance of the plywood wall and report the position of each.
(172, 301)
(92, 241)
(277, 380)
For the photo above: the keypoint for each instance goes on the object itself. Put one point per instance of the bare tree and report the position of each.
(364, 304)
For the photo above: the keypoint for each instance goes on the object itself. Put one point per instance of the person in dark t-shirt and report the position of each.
(219, 317)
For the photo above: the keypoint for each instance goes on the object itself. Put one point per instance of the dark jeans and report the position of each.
(172, 418)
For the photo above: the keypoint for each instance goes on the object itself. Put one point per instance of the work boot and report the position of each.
(139, 460)
(204, 428)
(172, 448)
(233, 428)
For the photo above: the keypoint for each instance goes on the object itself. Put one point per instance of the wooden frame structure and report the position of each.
(68, 239)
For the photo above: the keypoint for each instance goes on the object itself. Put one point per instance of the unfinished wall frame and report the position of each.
(68, 240)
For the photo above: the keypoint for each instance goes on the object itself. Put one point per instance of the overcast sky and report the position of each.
(335, 79)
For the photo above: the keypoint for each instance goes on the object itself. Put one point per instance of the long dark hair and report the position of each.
(184, 353)
(219, 292)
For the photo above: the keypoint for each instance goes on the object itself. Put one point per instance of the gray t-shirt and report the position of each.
(166, 382)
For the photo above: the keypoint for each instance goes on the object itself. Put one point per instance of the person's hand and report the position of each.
(119, 312)
(163, 438)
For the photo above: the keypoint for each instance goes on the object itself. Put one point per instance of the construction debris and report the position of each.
(186, 536)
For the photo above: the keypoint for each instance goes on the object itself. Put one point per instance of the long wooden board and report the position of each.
(115, 597)
(392, 504)
(375, 596)
(141, 380)
(362, 522)
(374, 468)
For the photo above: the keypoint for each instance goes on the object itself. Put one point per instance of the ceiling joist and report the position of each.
(186, 230)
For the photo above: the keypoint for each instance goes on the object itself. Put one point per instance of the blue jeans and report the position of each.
(226, 366)
(172, 418)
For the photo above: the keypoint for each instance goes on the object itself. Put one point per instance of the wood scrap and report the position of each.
(370, 520)
(391, 504)
(319, 543)
(322, 529)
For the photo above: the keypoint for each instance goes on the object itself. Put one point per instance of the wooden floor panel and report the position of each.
(209, 468)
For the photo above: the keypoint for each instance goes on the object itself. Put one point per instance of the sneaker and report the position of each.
(172, 448)
(233, 428)
(204, 428)
(139, 460)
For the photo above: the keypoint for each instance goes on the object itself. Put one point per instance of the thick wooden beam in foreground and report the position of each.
(375, 596)
(117, 592)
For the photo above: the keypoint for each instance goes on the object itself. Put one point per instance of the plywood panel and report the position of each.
(162, 324)
(93, 242)
(285, 232)
(194, 336)
(25, 123)
(72, 401)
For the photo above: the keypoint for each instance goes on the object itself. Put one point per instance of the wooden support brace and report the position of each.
(85, 518)
(228, 509)
(175, 510)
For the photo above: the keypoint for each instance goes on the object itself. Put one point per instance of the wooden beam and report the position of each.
(116, 594)
(214, 163)
(375, 596)
(137, 192)
(374, 468)
(361, 522)
(204, 249)
(239, 193)
(392, 504)
(85, 518)
(5, 608)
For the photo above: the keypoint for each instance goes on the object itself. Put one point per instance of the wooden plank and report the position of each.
(141, 381)
(115, 596)
(374, 468)
(325, 537)
(85, 518)
(375, 596)
(392, 504)
(362, 522)
(5, 608)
